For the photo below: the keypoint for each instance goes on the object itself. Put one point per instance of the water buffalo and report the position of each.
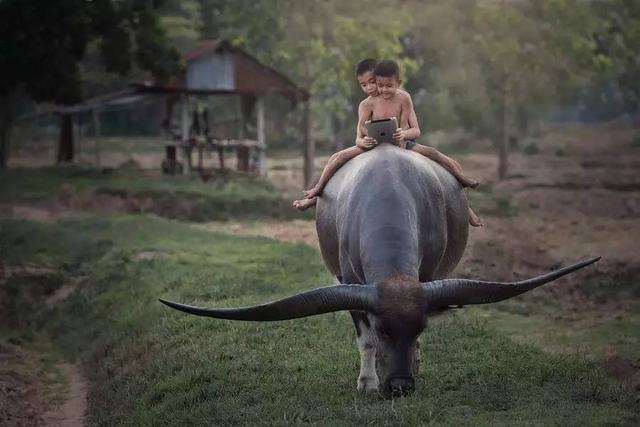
(391, 225)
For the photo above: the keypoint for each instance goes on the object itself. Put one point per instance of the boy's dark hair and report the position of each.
(387, 68)
(365, 65)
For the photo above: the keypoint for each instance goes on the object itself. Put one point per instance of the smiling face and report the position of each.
(387, 86)
(367, 82)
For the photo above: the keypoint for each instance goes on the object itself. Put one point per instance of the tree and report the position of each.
(531, 54)
(182, 20)
(42, 43)
(617, 40)
(493, 66)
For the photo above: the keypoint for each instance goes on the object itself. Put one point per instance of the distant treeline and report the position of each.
(488, 68)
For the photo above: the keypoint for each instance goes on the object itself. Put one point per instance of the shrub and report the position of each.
(531, 149)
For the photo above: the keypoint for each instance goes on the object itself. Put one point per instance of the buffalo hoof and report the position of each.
(368, 385)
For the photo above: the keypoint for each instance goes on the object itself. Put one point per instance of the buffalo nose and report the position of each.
(399, 386)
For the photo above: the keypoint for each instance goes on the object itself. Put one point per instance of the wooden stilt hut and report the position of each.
(216, 67)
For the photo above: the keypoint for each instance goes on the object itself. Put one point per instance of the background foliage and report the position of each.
(477, 68)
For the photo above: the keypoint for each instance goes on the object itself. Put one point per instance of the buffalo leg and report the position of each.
(416, 358)
(368, 379)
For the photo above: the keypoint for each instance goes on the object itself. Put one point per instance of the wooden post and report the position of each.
(241, 133)
(221, 156)
(186, 149)
(96, 129)
(243, 158)
(200, 155)
(78, 132)
(65, 142)
(262, 140)
(309, 146)
(240, 152)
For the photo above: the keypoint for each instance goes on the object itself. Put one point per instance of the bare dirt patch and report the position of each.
(34, 212)
(149, 255)
(296, 231)
(60, 294)
(9, 270)
(621, 368)
(21, 398)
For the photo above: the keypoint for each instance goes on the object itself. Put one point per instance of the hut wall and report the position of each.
(211, 72)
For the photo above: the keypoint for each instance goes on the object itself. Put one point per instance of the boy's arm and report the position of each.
(413, 132)
(362, 140)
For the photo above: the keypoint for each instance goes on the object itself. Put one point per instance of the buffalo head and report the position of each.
(396, 312)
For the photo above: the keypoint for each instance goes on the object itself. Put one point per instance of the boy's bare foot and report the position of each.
(313, 192)
(456, 169)
(467, 182)
(474, 220)
(303, 204)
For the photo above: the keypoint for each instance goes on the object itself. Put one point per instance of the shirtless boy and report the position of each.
(381, 82)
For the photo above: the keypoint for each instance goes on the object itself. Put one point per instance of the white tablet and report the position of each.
(382, 130)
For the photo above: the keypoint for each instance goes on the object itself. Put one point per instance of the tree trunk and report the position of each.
(261, 167)
(6, 123)
(503, 148)
(65, 143)
(503, 156)
(96, 134)
(523, 121)
(4, 146)
(167, 121)
(309, 147)
(185, 143)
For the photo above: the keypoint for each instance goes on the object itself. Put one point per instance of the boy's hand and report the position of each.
(370, 142)
(366, 142)
(399, 135)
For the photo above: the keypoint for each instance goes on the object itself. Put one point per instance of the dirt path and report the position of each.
(71, 412)
(21, 401)
(31, 393)
(30, 396)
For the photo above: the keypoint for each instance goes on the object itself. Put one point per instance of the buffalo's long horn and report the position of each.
(442, 293)
(310, 303)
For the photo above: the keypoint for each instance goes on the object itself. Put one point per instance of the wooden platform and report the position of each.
(250, 153)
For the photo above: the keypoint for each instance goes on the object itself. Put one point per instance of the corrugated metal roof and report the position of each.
(205, 47)
(250, 75)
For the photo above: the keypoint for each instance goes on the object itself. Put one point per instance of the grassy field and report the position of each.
(83, 287)
(148, 365)
(222, 197)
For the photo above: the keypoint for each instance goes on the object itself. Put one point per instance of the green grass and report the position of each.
(221, 198)
(595, 337)
(612, 327)
(149, 365)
